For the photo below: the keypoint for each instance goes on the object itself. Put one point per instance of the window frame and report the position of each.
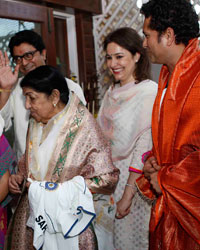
(33, 13)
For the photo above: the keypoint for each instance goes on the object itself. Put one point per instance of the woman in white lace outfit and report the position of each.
(125, 118)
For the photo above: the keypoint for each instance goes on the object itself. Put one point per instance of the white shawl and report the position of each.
(125, 114)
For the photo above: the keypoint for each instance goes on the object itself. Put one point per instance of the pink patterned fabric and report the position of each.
(7, 163)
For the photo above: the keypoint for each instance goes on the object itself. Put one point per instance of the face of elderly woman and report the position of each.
(40, 105)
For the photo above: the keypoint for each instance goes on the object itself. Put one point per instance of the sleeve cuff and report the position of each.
(135, 170)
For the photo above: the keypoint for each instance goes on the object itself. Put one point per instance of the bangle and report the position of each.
(5, 90)
(132, 186)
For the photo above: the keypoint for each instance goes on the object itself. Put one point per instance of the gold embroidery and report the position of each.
(34, 143)
(68, 141)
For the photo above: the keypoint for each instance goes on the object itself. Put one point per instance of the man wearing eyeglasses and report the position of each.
(28, 52)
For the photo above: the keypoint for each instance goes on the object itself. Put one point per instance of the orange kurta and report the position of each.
(175, 220)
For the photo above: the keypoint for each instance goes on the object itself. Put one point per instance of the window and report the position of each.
(16, 16)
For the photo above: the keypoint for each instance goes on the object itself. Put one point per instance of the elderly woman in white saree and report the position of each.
(67, 160)
(125, 119)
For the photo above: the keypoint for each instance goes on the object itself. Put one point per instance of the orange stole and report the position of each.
(175, 220)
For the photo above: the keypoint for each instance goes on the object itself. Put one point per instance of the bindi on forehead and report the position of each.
(22, 48)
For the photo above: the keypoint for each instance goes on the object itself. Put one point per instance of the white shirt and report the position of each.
(15, 108)
(59, 212)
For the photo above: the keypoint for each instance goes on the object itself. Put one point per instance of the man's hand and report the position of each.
(7, 78)
(151, 169)
(150, 166)
(154, 182)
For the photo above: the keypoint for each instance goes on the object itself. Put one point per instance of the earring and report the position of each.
(136, 61)
(54, 104)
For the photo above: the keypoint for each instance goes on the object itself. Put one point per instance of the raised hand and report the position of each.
(7, 78)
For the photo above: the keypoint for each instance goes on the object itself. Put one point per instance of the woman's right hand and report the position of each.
(14, 183)
(123, 207)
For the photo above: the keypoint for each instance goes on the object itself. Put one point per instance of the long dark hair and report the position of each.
(130, 40)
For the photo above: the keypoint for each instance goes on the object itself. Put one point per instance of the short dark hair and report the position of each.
(177, 14)
(130, 40)
(45, 79)
(26, 36)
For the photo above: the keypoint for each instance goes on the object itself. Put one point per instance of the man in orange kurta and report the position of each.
(172, 172)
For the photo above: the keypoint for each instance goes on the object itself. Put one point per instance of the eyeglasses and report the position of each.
(28, 56)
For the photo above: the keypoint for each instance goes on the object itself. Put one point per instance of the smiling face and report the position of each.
(121, 63)
(40, 105)
(28, 65)
(154, 43)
